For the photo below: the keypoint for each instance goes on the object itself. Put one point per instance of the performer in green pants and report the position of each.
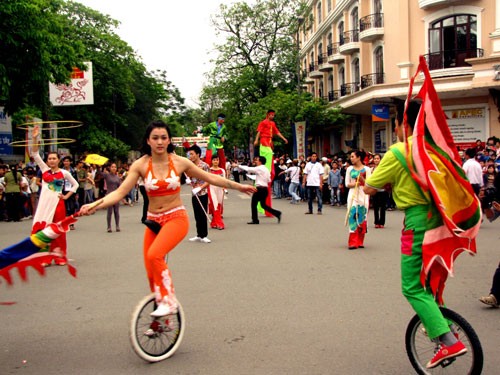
(265, 132)
(420, 216)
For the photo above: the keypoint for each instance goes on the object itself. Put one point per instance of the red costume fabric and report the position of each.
(435, 165)
(267, 129)
(216, 201)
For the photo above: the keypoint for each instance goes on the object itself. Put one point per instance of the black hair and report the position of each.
(411, 112)
(221, 115)
(271, 111)
(360, 154)
(67, 158)
(470, 152)
(13, 169)
(262, 159)
(196, 149)
(154, 125)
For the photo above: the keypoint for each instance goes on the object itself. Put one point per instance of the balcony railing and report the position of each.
(349, 88)
(333, 95)
(349, 37)
(372, 79)
(371, 21)
(451, 58)
(333, 49)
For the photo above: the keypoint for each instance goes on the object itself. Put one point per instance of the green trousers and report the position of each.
(420, 298)
(267, 152)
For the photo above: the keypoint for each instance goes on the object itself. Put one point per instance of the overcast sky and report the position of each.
(176, 36)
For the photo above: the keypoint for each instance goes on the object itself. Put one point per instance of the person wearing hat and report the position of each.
(217, 132)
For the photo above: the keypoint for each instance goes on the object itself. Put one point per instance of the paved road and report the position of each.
(283, 298)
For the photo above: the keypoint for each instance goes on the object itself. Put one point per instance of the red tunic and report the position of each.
(267, 129)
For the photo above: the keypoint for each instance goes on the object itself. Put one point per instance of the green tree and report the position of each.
(126, 96)
(259, 48)
(34, 49)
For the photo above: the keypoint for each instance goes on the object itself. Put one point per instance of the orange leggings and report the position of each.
(175, 226)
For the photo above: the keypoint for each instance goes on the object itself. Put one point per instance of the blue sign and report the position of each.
(5, 140)
(380, 112)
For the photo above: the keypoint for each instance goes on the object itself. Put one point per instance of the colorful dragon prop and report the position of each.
(33, 251)
(435, 165)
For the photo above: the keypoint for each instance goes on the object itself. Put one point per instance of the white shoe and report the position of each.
(165, 309)
(149, 333)
(195, 239)
(205, 240)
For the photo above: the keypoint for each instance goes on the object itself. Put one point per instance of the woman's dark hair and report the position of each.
(13, 169)
(360, 154)
(154, 125)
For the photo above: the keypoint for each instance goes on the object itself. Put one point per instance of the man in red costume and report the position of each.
(265, 132)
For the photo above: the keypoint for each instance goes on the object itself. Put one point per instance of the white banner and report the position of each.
(80, 91)
(467, 124)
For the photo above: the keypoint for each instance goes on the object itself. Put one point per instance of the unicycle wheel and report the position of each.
(155, 339)
(421, 349)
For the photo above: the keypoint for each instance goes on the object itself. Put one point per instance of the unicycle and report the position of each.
(155, 339)
(421, 349)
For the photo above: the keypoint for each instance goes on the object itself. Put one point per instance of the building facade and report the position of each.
(361, 54)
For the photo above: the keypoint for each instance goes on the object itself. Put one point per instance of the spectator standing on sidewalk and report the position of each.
(473, 170)
(379, 200)
(493, 298)
(313, 181)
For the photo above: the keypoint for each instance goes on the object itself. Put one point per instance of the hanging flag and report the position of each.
(436, 166)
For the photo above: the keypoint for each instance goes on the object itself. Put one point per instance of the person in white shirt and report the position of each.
(473, 170)
(262, 179)
(293, 173)
(313, 179)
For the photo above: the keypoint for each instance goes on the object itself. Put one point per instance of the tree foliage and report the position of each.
(256, 69)
(34, 49)
(259, 52)
(43, 39)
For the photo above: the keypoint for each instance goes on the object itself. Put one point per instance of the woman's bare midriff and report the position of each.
(158, 205)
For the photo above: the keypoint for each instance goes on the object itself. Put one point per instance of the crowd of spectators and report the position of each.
(20, 185)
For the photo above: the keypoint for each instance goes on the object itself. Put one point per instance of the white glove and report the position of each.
(188, 180)
(196, 190)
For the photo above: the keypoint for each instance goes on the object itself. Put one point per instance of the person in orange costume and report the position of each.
(265, 131)
(161, 169)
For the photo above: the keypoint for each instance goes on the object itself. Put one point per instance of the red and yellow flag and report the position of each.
(436, 166)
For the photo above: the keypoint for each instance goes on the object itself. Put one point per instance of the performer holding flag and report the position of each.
(442, 213)
(265, 132)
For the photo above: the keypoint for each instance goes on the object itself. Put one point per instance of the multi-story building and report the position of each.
(360, 55)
